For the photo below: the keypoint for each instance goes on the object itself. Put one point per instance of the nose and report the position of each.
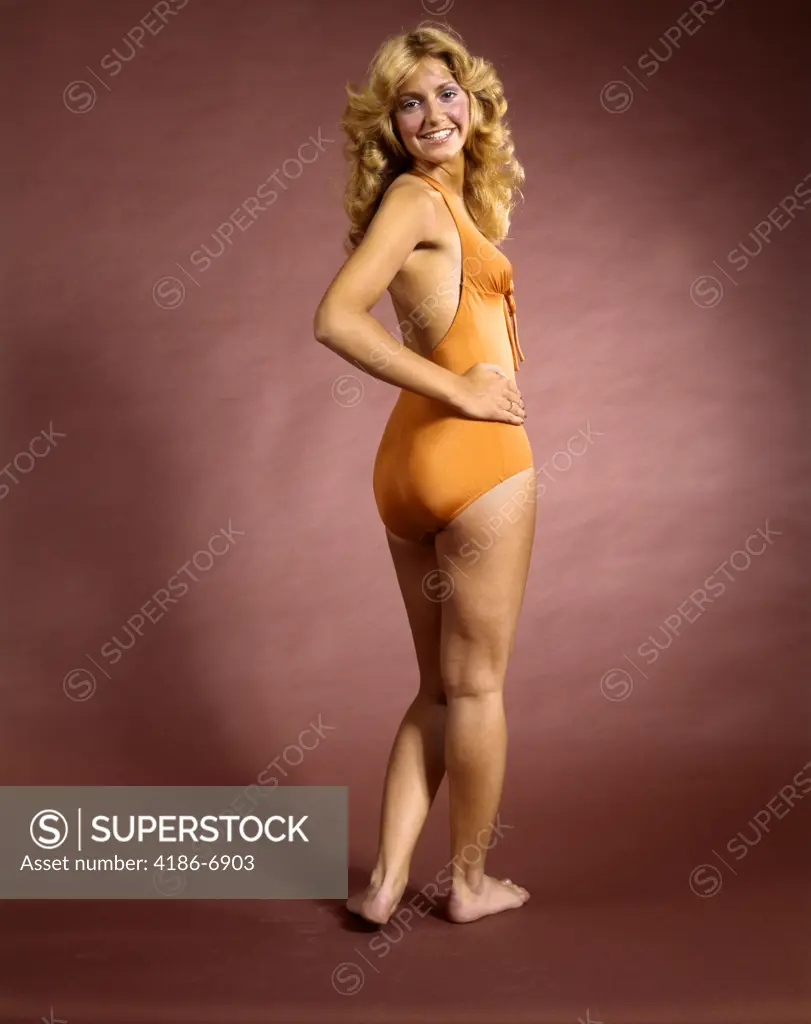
(432, 113)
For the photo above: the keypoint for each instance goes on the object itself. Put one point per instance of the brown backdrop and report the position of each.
(162, 384)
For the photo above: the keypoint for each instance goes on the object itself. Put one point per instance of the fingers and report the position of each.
(514, 411)
(510, 404)
(515, 403)
(509, 416)
(512, 392)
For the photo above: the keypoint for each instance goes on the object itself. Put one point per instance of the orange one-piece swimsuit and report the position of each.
(433, 462)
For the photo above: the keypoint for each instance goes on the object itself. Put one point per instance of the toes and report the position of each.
(517, 889)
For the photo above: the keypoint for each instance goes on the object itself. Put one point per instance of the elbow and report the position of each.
(330, 325)
(321, 327)
(325, 325)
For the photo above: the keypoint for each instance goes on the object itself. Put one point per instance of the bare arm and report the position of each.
(343, 323)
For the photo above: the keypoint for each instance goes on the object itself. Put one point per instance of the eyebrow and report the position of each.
(439, 88)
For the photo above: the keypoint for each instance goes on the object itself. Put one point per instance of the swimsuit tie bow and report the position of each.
(512, 324)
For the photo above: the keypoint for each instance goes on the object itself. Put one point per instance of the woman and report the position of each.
(432, 177)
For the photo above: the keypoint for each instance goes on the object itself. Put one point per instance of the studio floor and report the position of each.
(739, 957)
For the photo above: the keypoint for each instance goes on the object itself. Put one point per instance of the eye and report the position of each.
(450, 92)
(406, 105)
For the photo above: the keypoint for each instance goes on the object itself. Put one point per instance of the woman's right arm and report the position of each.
(343, 323)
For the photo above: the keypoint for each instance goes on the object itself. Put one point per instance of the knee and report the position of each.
(480, 676)
(432, 689)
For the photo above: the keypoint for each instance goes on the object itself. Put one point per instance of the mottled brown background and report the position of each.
(180, 417)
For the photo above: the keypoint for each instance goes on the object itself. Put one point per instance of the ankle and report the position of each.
(390, 880)
(469, 884)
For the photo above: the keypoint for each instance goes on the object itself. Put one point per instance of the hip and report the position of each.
(423, 434)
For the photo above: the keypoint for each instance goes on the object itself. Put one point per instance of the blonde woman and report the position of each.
(432, 177)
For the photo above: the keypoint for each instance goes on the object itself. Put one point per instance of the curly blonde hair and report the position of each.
(376, 155)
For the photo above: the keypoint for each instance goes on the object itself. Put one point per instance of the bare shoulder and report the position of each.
(411, 182)
(412, 196)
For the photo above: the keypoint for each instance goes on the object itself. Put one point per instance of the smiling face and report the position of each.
(432, 113)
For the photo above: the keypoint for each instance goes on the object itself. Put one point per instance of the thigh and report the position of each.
(421, 585)
(484, 556)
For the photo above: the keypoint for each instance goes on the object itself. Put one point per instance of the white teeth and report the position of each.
(440, 135)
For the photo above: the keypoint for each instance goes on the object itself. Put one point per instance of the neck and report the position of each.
(450, 174)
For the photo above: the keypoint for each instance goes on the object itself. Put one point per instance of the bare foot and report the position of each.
(375, 903)
(491, 897)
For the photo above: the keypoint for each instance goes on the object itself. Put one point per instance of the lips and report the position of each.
(439, 136)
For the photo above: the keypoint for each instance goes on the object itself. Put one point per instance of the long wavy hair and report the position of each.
(376, 156)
